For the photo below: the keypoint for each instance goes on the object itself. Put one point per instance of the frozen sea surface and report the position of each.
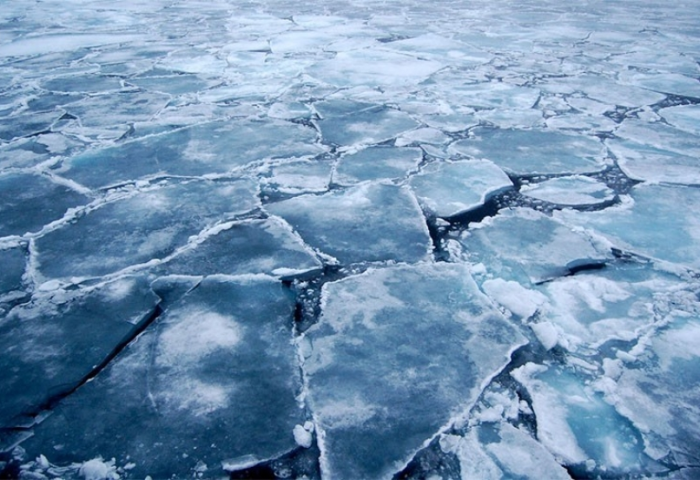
(328, 240)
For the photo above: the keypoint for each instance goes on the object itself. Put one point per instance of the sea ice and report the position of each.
(575, 190)
(448, 189)
(367, 223)
(28, 202)
(54, 342)
(685, 117)
(642, 225)
(526, 152)
(215, 147)
(526, 246)
(397, 353)
(576, 425)
(376, 163)
(654, 165)
(218, 365)
(250, 246)
(365, 127)
(146, 226)
(13, 261)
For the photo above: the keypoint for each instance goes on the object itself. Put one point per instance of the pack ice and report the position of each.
(341, 240)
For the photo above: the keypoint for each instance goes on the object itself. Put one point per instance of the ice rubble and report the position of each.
(209, 203)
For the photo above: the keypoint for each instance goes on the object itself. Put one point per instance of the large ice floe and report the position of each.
(349, 240)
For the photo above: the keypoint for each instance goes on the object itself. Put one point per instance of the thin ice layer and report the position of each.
(526, 152)
(213, 380)
(13, 261)
(55, 341)
(685, 117)
(215, 147)
(252, 246)
(575, 190)
(367, 223)
(397, 353)
(147, 226)
(526, 246)
(28, 202)
(448, 189)
(643, 225)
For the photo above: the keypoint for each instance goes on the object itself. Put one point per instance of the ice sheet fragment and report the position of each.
(367, 223)
(397, 353)
(525, 152)
(55, 341)
(28, 202)
(149, 225)
(527, 246)
(219, 365)
(570, 191)
(448, 189)
(365, 127)
(251, 246)
(376, 163)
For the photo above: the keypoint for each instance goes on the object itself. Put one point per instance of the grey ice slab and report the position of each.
(376, 163)
(658, 389)
(397, 354)
(655, 165)
(365, 127)
(83, 84)
(602, 89)
(574, 190)
(502, 451)
(576, 425)
(644, 225)
(251, 246)
(448, 189)
(440, 49)
(123, 108)
(527, 152)
(213, 380)
(527, 246)
(147, 226)
(671, 83)
(29, 202)
(53, 342)
(366, 223)
(215, 147)
(172, 85)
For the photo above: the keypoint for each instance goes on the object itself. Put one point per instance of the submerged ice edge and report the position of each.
(358, 117)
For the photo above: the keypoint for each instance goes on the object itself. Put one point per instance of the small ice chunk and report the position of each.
(546, 333)
(302, 436)
(98, 469)
(521, 301)
(574, 190)
(654, 165)
(685, 117)
(449, 189)
(365, 127)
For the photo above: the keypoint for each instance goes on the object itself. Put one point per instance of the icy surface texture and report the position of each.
(396, 354)
(268, 239)
(53, 343)
(212, 381)
(448, 189)
(367, 223)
